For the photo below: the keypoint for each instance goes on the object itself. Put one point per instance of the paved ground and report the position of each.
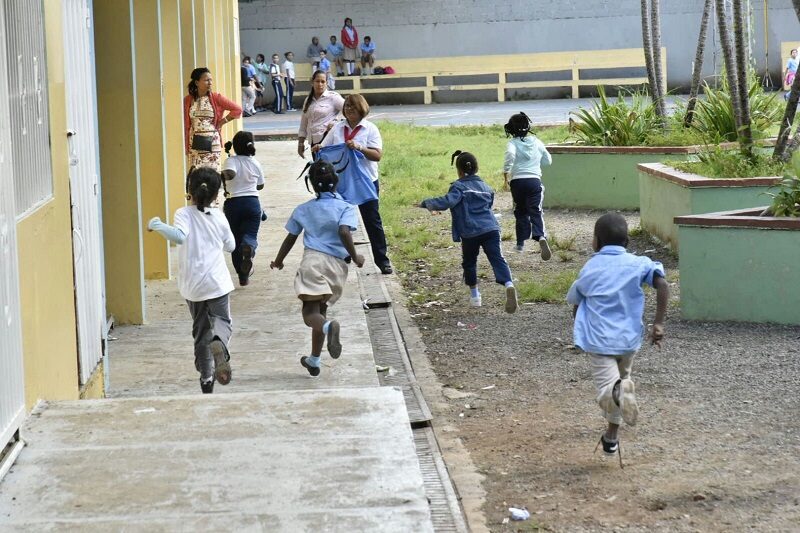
(277, 450)
(542, 112)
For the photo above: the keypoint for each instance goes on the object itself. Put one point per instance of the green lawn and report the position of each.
(415, 166)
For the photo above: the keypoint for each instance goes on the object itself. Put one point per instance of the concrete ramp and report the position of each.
(330, 460)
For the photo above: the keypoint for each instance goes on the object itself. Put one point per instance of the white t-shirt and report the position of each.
(249, 175)
(203, 272)
(288, 69)
(368, 136)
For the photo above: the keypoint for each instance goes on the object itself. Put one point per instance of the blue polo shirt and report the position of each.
(335, 49)
(610, 300)
(368, 48)
(325, 64)
(319, 220)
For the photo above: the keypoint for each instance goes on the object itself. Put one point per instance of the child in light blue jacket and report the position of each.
(475, 226)
(522, 170)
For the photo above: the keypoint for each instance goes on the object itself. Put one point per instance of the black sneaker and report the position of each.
(222, 368)
(610, 448)
(247, 260)
(334, 345)
(386, 269)
(207, 386)
(313, 370)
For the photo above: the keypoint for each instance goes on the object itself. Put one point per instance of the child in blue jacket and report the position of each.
(475, 226)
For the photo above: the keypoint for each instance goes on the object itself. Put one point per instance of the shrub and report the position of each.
(714, 118)
(620, 123)
(786, 201)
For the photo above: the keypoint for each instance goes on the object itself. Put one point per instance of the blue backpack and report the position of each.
(355, 184)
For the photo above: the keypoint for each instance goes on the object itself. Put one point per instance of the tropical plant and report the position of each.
(715, 117)
(698, 64)
(616, 123)
(786, 201)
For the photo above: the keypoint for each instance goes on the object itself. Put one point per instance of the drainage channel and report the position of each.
(393, 359)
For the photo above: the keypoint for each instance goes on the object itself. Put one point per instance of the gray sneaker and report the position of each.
(511, 300)
(546, 253)
(222, 368)
(627, 402)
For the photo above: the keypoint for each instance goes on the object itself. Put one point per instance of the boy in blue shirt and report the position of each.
(609, 304)
(336, 53)
(325, 66)
(367, 56)
(475, 226)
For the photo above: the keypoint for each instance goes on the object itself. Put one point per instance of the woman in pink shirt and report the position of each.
(320, 110)
(203, 118)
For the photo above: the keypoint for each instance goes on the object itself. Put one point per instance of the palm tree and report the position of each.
(698, 64)
(740, 40)
(791, 107)
(730, 62)
(655, 28)
(647, 46)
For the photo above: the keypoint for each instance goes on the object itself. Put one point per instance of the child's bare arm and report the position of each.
(286, 247)
(662, 299)
(347, 241)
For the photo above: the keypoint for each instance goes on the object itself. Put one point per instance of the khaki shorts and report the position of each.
(320, 277)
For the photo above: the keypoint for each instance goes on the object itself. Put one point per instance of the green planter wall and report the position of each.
(666, 193)
(601, 177)
(738, 266)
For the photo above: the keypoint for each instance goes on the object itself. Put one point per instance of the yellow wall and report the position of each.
(45, 253)
(171, 59)
(119, 162)
(152, 165)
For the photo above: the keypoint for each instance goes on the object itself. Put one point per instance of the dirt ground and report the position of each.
(717, 447)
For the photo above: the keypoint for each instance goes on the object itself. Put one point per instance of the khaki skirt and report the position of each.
(350, 54)
(320, 277)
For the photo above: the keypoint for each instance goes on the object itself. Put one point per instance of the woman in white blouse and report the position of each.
(360, 134)
(319, 112)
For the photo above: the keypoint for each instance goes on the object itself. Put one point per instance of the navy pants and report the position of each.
(244, 216)
(278, 88)
(471, 247)
(289, 92)
(528, 194)
(371, 216)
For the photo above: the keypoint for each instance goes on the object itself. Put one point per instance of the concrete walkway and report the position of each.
(276, 450)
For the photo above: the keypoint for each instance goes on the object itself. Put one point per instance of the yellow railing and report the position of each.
(430, 70)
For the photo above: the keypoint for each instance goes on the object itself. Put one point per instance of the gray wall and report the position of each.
(425, 28)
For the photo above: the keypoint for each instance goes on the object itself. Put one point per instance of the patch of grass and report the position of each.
(564, 257)
(718, 163)
(548, 288)
(566, 244)
(638, 231)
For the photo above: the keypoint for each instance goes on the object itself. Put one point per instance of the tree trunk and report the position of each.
(740, 37)
(647, 46)
(698, 64)
(730, 63)
(791, 108)
(655, 28)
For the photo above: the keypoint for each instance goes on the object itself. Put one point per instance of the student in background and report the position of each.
(367, 56)
(276, 75)
(336, 55)
(289, 79)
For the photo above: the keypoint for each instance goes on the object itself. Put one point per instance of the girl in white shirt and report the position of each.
(244, 177)
(203, 280)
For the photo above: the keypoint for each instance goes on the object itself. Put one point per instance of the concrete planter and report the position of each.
(666, 193)
(736, 265)
(601, 177)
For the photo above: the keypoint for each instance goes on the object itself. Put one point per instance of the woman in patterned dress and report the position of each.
(204, 115)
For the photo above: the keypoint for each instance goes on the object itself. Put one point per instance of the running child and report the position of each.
(244, 178)
(609, 304)
(475, 226)
(522, 171)
(203, 280)
(326, 223)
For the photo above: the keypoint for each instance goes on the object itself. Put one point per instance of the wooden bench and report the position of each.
(432, 73)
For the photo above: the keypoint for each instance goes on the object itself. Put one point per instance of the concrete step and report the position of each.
(328, 460)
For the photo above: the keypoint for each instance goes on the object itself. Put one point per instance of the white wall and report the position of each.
(424, 28)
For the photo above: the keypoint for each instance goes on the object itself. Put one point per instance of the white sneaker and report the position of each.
(546, 253)
(475, 301)
(627, 402)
